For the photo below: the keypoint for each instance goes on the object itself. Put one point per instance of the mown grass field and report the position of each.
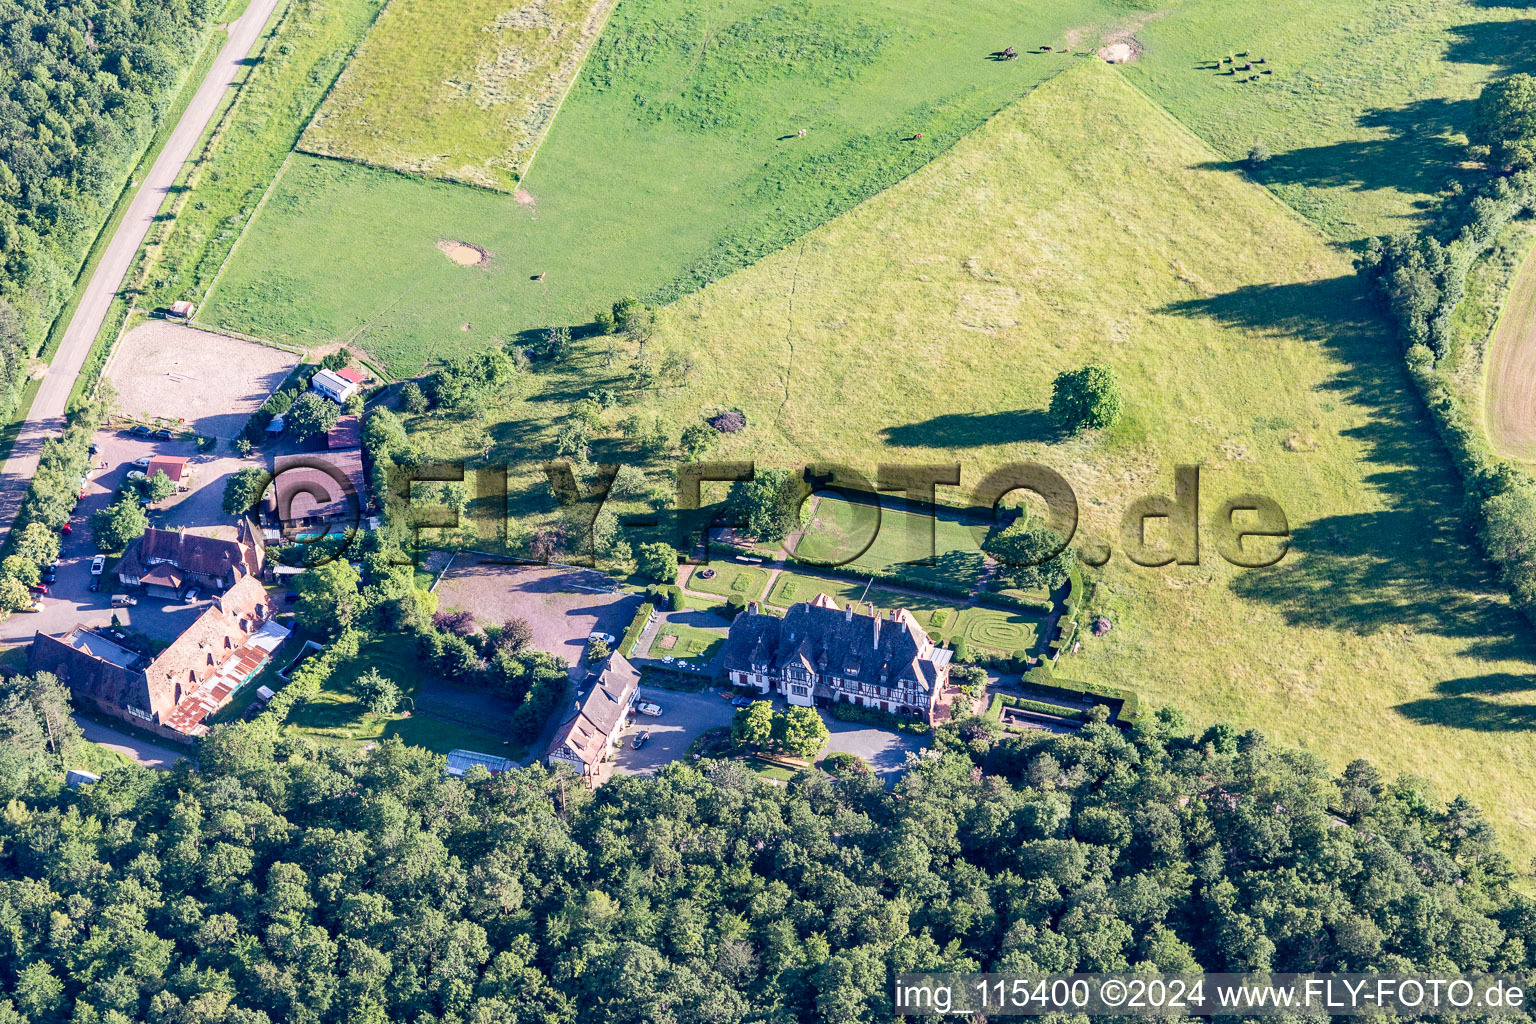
(688, 643)
(674, 161)
(463, 93)
(938, 315)
(298, 63)
(1367, 109)
(731, 580)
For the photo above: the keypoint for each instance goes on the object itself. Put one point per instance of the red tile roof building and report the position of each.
(176, 690)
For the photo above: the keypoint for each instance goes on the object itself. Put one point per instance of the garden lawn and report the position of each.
(337, 715)
(851, 537)
(1366, 110)
(674, 161)
(692, 643)
(938, 315)
(730, 580)
(462, 91)
(297, 64)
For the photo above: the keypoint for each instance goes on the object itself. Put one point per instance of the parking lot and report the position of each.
(210, 381)
(684, 717)
(69, 599)
(563, 606)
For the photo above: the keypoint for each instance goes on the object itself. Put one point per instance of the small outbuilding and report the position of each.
(182, 310)
(78, 777)
(461, 761)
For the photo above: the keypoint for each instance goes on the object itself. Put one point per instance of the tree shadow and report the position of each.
(1411, 563)
(1467, 704)
(973, 429)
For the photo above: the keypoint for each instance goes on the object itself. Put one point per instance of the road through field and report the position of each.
(46, 417)
(1511, 398)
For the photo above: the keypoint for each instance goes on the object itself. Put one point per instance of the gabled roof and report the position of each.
(347, 433)
(301, 490)
(191, 553)
(585, 734)
(814, 637)
(350, 375)
(171, 465)
(96, 666)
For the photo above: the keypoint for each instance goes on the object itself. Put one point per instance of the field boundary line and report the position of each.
(522, 179)
(283, 167)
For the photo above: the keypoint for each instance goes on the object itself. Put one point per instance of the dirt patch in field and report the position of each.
(1511, 399)
(1121, 51)
(463, 253)
(524, 197)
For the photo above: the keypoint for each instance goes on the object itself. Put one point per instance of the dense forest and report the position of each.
(287, 882)
(83, 84)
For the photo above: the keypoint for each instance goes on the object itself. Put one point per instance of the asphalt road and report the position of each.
(46, 417)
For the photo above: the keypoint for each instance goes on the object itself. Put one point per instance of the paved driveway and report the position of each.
(46, 417)
(69, 599)
(684, 716)
(885, 750)
(142, 752)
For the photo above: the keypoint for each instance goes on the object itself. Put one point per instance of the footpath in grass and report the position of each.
(463, 92)
(675, 160)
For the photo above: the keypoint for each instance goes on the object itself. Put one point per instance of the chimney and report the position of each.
(848, 612)
(876, 644)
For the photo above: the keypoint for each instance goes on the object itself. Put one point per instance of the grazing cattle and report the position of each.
(801, 133)
(1045, 49)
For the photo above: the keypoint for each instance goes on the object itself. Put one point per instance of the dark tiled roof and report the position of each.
(303, 491)
(95, 666)
(586, 732)
(207, 558)
(816, 638)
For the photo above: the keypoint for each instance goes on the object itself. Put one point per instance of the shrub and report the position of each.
(940, 619)
(1086, 399)
(846, 711)
(636, 627)
(844, 763)
(675, 599)
(657, 561)
(961, 648)
(735, 605)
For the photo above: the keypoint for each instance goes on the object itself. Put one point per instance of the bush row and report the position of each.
(1039, 707)
(1124, 704)
(1421, 282)
(846, 711)
(309, 677)
(632, 634)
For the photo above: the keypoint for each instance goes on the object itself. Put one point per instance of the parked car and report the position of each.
(48, 576)
(192, 595)
(92, 449)
(135, 474)
(606, 638)
(138, 430)
(123, 601)
(35, 606)
(143, 463)
(164, 434)
(640, 739)
(39, 588)
(66, 529)
(98, 564)
(741, 702)
(647, 708)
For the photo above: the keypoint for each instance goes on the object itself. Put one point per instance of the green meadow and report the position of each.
(675, 160)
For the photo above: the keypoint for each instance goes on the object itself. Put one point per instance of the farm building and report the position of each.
(817, 655)
(182, 310)
(588, 737)
(338, 385)
(311, 490)
(174, 691)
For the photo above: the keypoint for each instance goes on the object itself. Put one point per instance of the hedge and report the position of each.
(636, 627)
(309, 677)
(1039, 707)
(1028, 604)
(847, 711)
(1127, 704)
(843, 762)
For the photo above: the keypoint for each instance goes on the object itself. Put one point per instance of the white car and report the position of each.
(606, 638)
(192, 595)
(98, 564)
(142, 463)
(646, 708)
